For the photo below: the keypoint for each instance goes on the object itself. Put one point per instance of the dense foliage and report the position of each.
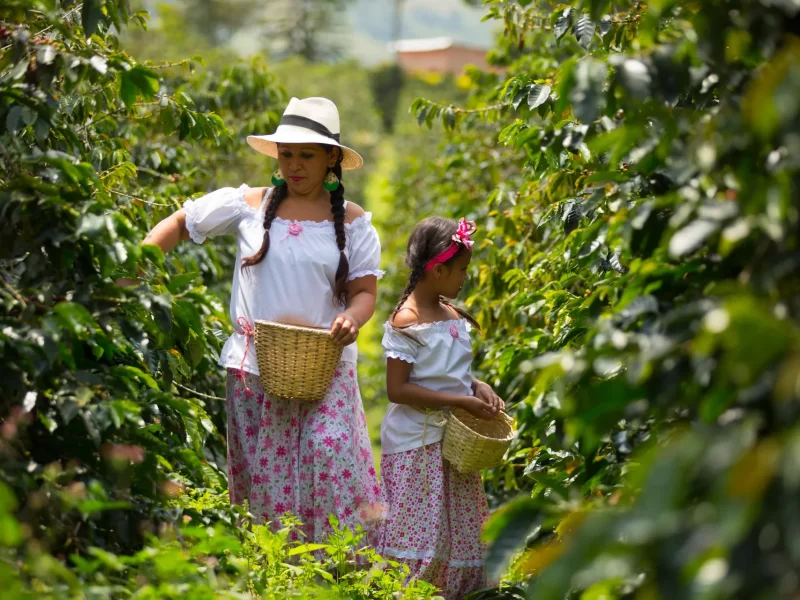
(634, 174)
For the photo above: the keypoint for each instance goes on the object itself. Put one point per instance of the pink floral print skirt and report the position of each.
(308, 458)
(434, 527)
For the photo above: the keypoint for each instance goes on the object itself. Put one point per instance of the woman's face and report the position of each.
(304, 166)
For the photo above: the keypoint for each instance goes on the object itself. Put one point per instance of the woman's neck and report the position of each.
(318, 194)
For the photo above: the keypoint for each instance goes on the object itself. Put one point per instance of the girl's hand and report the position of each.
(478, 407)
(485, 392)
(344, 329)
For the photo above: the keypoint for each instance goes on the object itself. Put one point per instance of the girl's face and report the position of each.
(451, 277)
(304, 166)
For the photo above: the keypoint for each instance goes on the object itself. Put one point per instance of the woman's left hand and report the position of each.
(344, 330)
(485, 392)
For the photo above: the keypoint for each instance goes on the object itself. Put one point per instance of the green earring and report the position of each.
(277, 178)
(331, 182)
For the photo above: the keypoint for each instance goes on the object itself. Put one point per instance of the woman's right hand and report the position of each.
(478, 407)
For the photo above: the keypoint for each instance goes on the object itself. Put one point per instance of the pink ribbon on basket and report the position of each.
(247, 332)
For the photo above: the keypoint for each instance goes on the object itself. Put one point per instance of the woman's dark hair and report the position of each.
(337, 208)
(430, 237)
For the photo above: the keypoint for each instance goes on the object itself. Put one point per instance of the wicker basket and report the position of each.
(295, 362)
(472, 444)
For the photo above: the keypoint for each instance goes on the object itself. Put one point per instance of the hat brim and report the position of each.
(287, 134)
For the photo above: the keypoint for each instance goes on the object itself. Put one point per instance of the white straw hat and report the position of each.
(307, 121)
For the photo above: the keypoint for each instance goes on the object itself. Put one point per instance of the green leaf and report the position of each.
(127, 89)
(144, 79)
(305, 549)
(131, 372)
(506, 532)
(162, 311)
(178, 282)
(562, 23)
(449, 119)
(538, 95)
(91, 14)
(584, 31)
(634, 75)
(13, 118)
(691, 237)
(605, 25)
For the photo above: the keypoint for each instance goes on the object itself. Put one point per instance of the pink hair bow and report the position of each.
(460, 238)
(464, 232)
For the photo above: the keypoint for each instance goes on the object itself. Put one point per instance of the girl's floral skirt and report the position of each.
(308, 458)
(434, 527)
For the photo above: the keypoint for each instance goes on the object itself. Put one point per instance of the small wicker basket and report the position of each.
(472, 444)
(295, 362)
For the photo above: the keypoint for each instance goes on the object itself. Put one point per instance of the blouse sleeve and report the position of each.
(364, 249)
(397, 345)
(216, 213)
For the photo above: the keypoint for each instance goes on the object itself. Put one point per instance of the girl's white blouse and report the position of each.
(294, 283)
(441, 357)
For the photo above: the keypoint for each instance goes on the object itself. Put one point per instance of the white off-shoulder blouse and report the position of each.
(294, 283)
(440, 354)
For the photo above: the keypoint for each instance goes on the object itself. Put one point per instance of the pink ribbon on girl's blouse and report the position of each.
(247, 332)
(460, 237)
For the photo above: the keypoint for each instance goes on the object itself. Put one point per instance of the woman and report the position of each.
(307, 257)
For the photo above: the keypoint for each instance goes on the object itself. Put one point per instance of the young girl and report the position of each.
(435, 512)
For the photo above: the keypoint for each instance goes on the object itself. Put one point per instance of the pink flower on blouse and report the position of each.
(249, 431)
(347, 474)
(256, 479)
(282, 451)
(280, 508)
(340, 403)
(287, 489)
(295, 422)
(295, 229)
(328, 441)
(264, 461)
(268, 443)
(319, 429)
(454, 331)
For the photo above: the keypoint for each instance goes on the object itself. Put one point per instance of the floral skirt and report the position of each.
(434, 520)
(308, 458)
